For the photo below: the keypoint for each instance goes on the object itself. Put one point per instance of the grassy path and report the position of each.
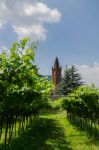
(78, 140)
(53, 132)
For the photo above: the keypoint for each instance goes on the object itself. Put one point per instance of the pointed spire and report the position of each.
(56, 72)
(56, 64)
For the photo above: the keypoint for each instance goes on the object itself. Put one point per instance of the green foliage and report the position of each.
(83, 106)
(83, 102)
(57, 104)
(70, 81)
(23, 91)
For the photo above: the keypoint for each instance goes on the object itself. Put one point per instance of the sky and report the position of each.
(67, 29)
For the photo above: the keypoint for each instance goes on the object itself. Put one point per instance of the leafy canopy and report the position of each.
(22, 89)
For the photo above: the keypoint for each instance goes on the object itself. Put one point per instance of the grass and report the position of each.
(53, 132)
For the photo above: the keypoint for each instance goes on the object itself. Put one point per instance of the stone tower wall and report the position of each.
(56, 73)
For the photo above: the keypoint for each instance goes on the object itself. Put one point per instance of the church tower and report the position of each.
(56, 73)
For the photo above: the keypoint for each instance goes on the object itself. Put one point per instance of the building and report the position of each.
(56, 73)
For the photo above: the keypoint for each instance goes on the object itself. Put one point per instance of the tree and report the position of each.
(70, 81)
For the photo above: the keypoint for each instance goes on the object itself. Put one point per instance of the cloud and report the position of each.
(27, 18)
(0, 25)
(36, 32)
(90, 74)
(4, 50)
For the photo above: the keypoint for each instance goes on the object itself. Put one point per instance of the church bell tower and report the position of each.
(56, 73)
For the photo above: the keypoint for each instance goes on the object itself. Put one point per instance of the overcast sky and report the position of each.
(68, 29)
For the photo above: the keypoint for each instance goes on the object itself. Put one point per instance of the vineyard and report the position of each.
(82, 108)
(25, 95)
(23, 92)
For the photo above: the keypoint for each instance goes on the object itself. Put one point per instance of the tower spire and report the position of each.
(56, 64)
(56, 73)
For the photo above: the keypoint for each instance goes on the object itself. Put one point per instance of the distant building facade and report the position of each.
(56, 73)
